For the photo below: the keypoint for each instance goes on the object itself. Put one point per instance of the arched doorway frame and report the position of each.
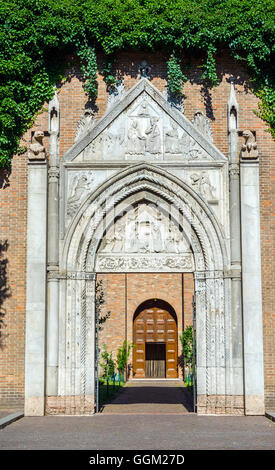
(212, 285)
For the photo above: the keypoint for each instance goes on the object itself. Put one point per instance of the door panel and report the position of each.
(154, 327)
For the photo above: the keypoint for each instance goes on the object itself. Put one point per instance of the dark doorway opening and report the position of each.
(155, 360)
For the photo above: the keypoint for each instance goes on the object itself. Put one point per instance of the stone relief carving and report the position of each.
(202, 184)
(144, 132)
(37, 150)
(86, 123)
(202, 124)
(116, 94)
(112, 143)
(153, 142)
(109, 145)
(144, 230)
(200, 266)
(80, 186)
(136, 141)
(190, 149)
(144, 109)
(249, 148)
(142, 263)
(172, 142)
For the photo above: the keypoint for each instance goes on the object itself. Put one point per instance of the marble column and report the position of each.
(53, 252)
(36, 287)
(235, 245)
(251, 275)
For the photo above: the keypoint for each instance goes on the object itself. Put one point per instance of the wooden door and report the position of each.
(155, 326)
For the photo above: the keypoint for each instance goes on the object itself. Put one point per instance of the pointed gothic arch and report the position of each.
(208, 248)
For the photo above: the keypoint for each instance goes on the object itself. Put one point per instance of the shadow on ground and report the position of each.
(156, 397)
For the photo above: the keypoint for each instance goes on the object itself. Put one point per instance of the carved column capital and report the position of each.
(53, 174)
(234, 170)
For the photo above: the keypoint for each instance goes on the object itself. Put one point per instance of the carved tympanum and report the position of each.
(144, 230)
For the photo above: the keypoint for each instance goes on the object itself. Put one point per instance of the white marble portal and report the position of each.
(141, 190)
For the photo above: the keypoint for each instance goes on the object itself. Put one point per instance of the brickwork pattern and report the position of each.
(13, 224)
(13, 195)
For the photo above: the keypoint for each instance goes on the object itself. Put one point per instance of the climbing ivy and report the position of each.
(176, 78)
(108, 76)
(89, 69)
(36, 35)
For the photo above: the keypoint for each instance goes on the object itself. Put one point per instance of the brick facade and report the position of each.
(13, 212)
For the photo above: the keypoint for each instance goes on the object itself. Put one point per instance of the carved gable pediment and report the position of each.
(143, 126)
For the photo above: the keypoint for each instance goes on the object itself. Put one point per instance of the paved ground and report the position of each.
(151, 397)
(149, 416)
(134, 432)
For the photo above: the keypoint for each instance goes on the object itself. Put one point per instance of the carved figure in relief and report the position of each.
(118, 238)
(80, 186)
(157, 238)
(85, 123)
(136, 142)
(112, 144)
(144, 230)
(172, 139)
(153, 143)
(203, 185)
(190, 149)
(249, 148)
(115, 239)
(174, 240)
(202, 124)
(144, 111)
(37, 150)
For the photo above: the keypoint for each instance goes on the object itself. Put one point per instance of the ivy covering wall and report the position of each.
(35, 35)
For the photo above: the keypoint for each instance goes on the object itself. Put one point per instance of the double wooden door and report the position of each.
(155, 340)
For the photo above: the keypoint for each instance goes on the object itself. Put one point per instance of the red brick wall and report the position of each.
(13, 227)
(13, 195)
